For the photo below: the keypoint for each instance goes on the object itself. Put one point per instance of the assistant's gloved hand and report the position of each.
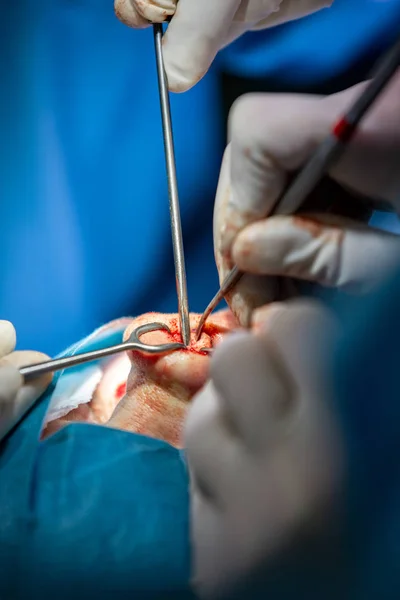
(264, 450)
(200, 28)
(271, 137)
(15, 397)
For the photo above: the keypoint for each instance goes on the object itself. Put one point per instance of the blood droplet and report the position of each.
(120, 391)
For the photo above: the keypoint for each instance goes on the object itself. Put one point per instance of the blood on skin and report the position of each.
(120, 391)
(209, 329)
(154, 398)
(211, 333)
(160, 388)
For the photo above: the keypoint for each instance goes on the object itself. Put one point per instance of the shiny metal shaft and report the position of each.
(176, 227)
(59, 364)
(230, 281)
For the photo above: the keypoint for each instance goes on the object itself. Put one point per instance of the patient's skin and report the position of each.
(100, 406)
(154, 400)
(160, 388)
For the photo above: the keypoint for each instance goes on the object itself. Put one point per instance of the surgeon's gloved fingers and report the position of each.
(200, 28)
(211, 447)
(251, 292)
(290, 11)
(207, 550)
(196, 33)
(222, 554)
(220, 222)
(279, 467)
(194, 36)
(298, 329)
(230, 485)
(128, 13)
(303, 334)
(371, 163)
(7, 338)
(254, 387)
(27, 392)
(155, 11)
(329, 250)
(270, 136)
(10, 382)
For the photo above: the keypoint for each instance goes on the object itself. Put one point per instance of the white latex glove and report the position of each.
(272, 136)
(264, 451)
(200, 28)
(15, 397)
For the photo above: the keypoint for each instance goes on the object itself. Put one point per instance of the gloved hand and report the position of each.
(272, 136)
(200, 28)
(15, 397)
(263, 447)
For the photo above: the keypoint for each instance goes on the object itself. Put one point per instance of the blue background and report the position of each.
(83, 202)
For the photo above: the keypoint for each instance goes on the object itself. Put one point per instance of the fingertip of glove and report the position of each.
(263, 317)
(10, 382)
(290, 311)
(9, 372)
(230, 351)
(8, 337)
(179, 80)
(128, 15)
(5, 326)
(245, 250)
(295, 324)
(182, 74)
(25, 358)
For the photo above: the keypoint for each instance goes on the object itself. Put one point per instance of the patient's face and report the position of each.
(150, 394)
(159, 389)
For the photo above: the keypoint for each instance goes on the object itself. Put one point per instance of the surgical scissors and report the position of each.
(134, 343)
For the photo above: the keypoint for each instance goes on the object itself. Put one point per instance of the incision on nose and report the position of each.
(218, 324)
(159, 388)
(153, 399)
(186, 368)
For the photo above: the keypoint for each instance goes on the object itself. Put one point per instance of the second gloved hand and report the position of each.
(15, 397)
(200, 28)
(271, 137)
(264, 449)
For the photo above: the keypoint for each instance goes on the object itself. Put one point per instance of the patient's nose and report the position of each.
(184, 370)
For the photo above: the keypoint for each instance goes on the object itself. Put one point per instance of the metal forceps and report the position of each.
(134, 343)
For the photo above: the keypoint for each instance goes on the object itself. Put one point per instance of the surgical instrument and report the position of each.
(207, 350)
(176, 227)
(134, 343)
(329, 151)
